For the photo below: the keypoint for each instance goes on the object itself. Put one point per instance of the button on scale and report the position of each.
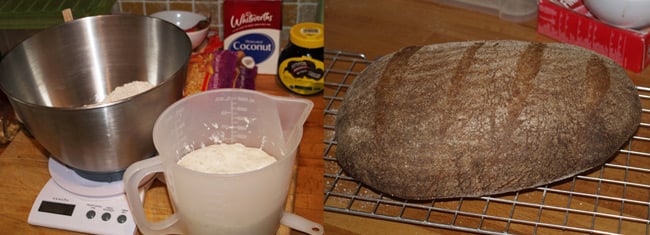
(121, 219)
(91, 214)
(106, 216)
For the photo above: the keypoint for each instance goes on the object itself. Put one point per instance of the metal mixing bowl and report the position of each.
(55, 78)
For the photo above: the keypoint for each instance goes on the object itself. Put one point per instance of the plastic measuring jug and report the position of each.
(242, 203)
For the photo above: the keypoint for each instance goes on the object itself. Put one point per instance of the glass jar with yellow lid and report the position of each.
(300, 66)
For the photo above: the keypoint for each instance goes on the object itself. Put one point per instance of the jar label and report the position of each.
(302, 75)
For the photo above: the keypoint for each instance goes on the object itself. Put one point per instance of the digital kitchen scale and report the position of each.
(71, 202)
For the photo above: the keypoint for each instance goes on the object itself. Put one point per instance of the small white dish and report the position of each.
(622, 13)
(185, 20)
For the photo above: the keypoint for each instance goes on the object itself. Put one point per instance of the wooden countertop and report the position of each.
(378, 27)
(23, 172)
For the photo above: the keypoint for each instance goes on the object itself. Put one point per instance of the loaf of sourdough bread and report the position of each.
(468, 119)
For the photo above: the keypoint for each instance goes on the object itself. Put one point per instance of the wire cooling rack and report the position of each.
(613, 199)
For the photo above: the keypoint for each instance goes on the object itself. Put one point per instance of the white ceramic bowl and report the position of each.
(185, 20)
(622, 13)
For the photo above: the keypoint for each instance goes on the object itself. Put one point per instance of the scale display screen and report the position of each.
(56, 208)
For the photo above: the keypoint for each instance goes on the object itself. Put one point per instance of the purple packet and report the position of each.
(224, 64)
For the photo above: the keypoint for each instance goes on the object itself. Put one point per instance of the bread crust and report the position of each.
(468, 119)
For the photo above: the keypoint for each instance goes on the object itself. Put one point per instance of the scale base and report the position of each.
(56, 206)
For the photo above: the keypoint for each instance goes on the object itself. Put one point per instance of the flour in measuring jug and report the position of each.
(226, 159)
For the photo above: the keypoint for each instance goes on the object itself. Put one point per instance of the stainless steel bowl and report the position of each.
(55, 78)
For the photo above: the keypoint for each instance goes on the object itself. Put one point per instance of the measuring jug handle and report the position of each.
(133, 176)
(301, 224)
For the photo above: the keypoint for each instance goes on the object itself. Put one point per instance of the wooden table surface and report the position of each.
(23, 172)
(378, 27)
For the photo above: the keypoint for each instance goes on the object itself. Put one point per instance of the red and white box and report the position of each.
(253, 27)
(570, 22)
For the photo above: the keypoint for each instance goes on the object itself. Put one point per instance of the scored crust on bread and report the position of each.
(469, 119)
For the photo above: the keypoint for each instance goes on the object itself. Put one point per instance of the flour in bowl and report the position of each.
(127, 90)
(226, 159)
